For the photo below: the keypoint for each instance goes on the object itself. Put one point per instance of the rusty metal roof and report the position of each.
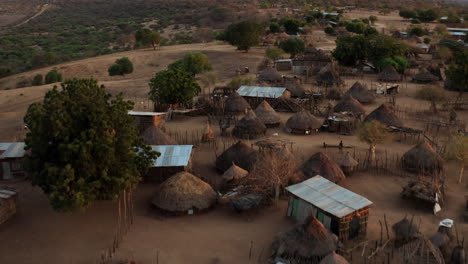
(328, 196)
(172, 155)
(261, 91)
(12, 150)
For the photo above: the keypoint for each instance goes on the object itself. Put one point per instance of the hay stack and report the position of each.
(329, 77)
(423, 76)
(302, 123)
(270, 75)
(389, 74)
(422, 159)
(421, 190)
(153, 135)
(334, 258)
(405, 230)
(321, 164)
(234, 173)
(349, 104)
(240, 153)
(348, 164)
(236, 104)
(385, 114)
(249, 127)
(182, 192)
(267, 115)
(361, 93)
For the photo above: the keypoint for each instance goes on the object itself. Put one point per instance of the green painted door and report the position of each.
(320, 216)
(295, 209)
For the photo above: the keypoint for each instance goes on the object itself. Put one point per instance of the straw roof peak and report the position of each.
(240, 153)
(154, 135)
(250, 126)
(361, 93)
(389, 74)
(328, 76)
(267, 114)
(270, 75)
(348, 161)
(349, 104)
(234, 173)
(422, 159)
(385, 114)
(235, 103)
(321, 164)
(303, 120)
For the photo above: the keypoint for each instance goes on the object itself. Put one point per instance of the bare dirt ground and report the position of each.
(13, 14)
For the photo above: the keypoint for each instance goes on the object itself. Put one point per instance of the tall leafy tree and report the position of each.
(458, 149)
(146, 37)
(193, 62)
(83, 145)
(456, 73)
(273, 53)
(174, 86)
(244, 35)
(291, 25)
(406, 13)
(53, 76)
(293, 46)
(373, 133)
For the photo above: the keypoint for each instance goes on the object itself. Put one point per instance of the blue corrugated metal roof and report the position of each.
(173, 155)
(458, 29)
(135, 113)
(328, 196)
(457, 33)
(260, 91)
(12, 150)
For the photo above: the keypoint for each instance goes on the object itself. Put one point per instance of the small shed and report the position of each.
(8, 204)
(173, 159)
(262, 92)
(11, 156)
(143, 120)
(341, 211)
(284, 64)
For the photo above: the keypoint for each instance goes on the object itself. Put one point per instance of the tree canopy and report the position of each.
(291, 25)
(407, 13)
(457, 73)
(293, 46)
(193, 62)
(146, 37)
(273, 53)
(121, 66)
(83, 145)
(243, 35)
(274, 27)
(373, 133)
(53, 76)
(399, 63)
(173, 86)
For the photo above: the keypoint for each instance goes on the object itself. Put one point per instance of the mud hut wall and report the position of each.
(8, 208)
(14, 168)
(345, 224)
(284, 66)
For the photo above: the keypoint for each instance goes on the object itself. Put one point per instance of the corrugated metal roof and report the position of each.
(260, 91)
(458, 29)
(172, 155)
(13, 150)
(328, 196)
(457, 34)
(284, 60)
(5, 194)
(135, 113)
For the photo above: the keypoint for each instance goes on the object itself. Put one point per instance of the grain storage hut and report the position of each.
(8, 204)
(341, 211)
(143, 120)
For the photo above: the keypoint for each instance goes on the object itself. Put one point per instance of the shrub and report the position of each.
(114, 69)
(121, 66)
(274, 27)
(38, 80)
(273, 53)
(415, 21)
(330, 30)
(53, 76)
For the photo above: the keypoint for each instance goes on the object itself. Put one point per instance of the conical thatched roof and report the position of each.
(303, 121)
(422, 159)
(321, 164)
(182, 192)
(328, 76)
(249, 127)
(267, 114)
(240, 153)
(361, 93)
(234, 173)
(153, 135)
(235, 104)
(334, 258)
(385, 114)
(348, 161)
(424, 76)
(389, 74)
(405, 230)
(270, 75)
(349, 104)
(422, 248)
(296, 89)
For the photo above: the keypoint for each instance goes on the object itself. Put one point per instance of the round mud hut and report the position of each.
(321, 164)
(329, 77)
(235, 104)
(241, 154)
(303, 123)
(385, 114)
(154, 135)
(234, 173)
(334, 258)
(249, 127)
(389, 74)
(184, 193)
(361, 93)
(270, 75)
(422, 159)
(423, 76)
(348, 164)
(267, 115)
(349, 104)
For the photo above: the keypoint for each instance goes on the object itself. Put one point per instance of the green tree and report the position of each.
(173, 86)
(415, 21)
(292, 25)
(373, 19)
(293, 46)
(146, 37)
(399, 63)
(273, 53)
(458, 149)
(193, 62)
(427, 40)
(38, 80)
(274, 27)
(53, 76)
(373, 133)
(237, 82)
(350, 49)
(457, 73)
(83, 146)
(427, 15)
(5, 71)
(330, 30)
(121, 66)
(406, 13)
(432, 94)
(415, 31)
(243, 35)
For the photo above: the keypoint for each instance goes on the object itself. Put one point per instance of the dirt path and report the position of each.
(41, 10)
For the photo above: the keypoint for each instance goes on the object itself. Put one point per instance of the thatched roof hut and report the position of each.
(310, 241)
(421, 250)
(236, 104)
(153, 135)
(423, 76)
(349, 104)
(334, 258)
(296, 89)
(405, 230)
(183, 192)
(321, 164)
(422, 159)
(348, 164)
(302, 123)
(234, 173)
(249, 127)
(270, 75)
(240, 153)
(361, 93)
(389, 74)
(385, 114)
(267, 114)
(329, 77)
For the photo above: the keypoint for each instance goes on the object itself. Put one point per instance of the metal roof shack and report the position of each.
(260, 91)
(12, 150)
(173, 155)
(328, 196)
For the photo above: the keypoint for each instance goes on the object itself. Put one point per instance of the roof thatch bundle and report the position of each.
(234, 173)
(240, 153)
(421, 249)
(348, 161)
(295, 88)
(389, 74)
(422, 159)
(153, 135)
(334, 258)
(302, 122)
(405, 230)
(329, 77)
(309, 241)
(249, 127)
(270, 75)
(385, 114)
(267, 114)
(321, 164)
(361, 93)
(349, 104)
(423, 76)
(235, 103)
(182, 192)
(272, 143)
